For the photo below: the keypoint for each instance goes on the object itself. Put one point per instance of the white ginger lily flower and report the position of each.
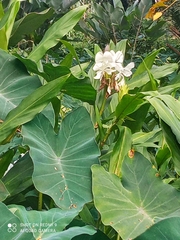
(104, 63)
(124, 71)
(111, 63)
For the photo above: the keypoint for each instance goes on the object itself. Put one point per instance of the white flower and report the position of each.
(109, 69)
(118, 57)
(104, 63)
(124, 71)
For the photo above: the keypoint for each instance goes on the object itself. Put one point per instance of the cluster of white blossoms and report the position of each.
(109, 69)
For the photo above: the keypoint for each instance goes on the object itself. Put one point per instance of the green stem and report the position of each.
(51, 205)
(103, 102)
(107, 135)
(118, 237)
(40, 201)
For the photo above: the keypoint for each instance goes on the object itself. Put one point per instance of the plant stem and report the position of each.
(103, 102)
(137, 34)
(169, 6)
(40, 201)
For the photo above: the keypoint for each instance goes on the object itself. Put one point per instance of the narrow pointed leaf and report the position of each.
(120, 150)
(137, 202)
(147, 63)
(28, 24)
(167, 115)
(30, 106)
(63, 161)
(56, 32)
(128, 105)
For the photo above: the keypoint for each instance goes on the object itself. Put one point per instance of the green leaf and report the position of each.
(71, 49)
(142, 137)
(63, 160)
(166, 115)
(172, 103)
(127, 105)
(146, 63)
(80, 89)
(56, 32)
(173, 145)
(17, 223)
(137, 202)
(49, 224)
(10, 226)
(120, 150)
(28, 24)
(3, 192)
(138, 80)
(15, 82)
(7, 22)
(5, 160)
(163, 230)
(30, 106)
(19, 177)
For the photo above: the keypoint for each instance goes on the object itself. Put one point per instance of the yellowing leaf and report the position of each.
(152, 10)
(157, 15)
(160, 4)
(150, 13)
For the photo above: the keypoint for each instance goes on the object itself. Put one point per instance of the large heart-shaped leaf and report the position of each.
(134, 204)
(163, 230)
(15, 83)
(10, 226)
(62, 162)
(18, 223)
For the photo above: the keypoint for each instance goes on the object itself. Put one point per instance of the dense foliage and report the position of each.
(89, 121)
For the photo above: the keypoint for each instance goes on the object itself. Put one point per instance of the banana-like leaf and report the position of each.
(30, 106)
(147, 63)
(28, 24)
(120, 150)
(15, 83)
(173, 145)
(137, 202)
(157, 72)
(7, 22)
(166, 113)
(62, 162)
(56, 32)
(127, 105)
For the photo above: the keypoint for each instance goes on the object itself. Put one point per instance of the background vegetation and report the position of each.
(77, 161)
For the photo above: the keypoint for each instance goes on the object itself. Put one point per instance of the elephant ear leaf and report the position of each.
(135, 203)
(62, 162)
